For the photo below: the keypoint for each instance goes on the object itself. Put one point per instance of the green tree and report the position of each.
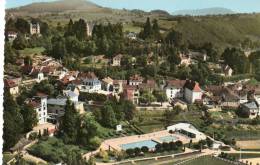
(108, 116)
(147, 97)
(30, 117)
(22, 25)
(69, 123)
(20, 42)
(13, 122)
(129, 110)
(160, 96)
(88, 129)
(9, 54)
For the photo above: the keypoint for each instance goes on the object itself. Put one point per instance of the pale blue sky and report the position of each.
(168, 5)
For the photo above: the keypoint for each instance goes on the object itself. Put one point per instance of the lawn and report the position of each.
(245, 155)
(206, 160)
(31, 51)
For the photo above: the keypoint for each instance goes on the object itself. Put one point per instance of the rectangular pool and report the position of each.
(168, 139)
(148, 143)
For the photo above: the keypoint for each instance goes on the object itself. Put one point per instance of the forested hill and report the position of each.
(221, 30)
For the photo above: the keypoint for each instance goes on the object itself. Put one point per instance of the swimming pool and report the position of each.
(148, 143)
(168, 139)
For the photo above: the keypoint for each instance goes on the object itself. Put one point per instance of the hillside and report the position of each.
(222, 30)
(206, 11)
(60, 6)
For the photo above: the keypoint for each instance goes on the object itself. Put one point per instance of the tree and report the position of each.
(9, 54)
(74, 157)
(22, 25)
(160, 96)
(144, 149)
(156, 29)
(30, 117)
(147, 31)
(147, 97)
(88, 129)
(13, 122)
(20, 42)
(237, 60)
(129, 110)
(108, 116)
(209, 142)
(174, 38)
(69, 124)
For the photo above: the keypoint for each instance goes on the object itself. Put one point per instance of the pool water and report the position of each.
(148, 143)
(168, 139)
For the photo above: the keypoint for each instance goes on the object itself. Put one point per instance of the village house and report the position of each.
(149, 85)
(11, 35)
(116, 61)
(108, 84)
(118, 86)
(131, 35)
(192, 91)
(174, 89)
(198, 55)
(252, 108)
(131, 93)
(39, 103)
(56, 107)
(185, 59)
(135, 80)
(227, 97)
(90, 83)
(227, 70)
(35, 28)
(11, 86)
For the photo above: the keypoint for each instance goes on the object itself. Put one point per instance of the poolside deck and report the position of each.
(155, 136)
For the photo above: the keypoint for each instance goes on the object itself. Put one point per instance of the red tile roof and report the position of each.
(88, 75)
(136, 77)
(176, 83)
(192, 85)
(9, 83)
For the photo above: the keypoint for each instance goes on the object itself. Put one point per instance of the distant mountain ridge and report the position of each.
(206, 11)
(58, 6)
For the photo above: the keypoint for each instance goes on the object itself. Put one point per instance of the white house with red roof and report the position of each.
(39, 104)
(135, 80)
(90, 83)
(11, 86)
(174, 89)
(192, 91)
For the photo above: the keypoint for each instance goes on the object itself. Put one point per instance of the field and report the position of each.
(206, 161)
(249, 144)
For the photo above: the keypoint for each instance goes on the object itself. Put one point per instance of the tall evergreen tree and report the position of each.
(30, 117)
(69, 123)
(13, 121)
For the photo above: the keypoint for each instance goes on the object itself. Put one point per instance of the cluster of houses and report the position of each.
(178, 92)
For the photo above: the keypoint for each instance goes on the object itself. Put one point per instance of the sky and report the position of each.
(241, 6)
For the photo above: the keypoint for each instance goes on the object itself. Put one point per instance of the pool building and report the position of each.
(187, 130)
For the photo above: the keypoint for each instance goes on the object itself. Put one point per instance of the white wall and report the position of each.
(191, 96)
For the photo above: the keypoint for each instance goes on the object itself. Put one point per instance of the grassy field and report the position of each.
(249, 144)
(245, 155)
(31, 51)
(206, 161)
